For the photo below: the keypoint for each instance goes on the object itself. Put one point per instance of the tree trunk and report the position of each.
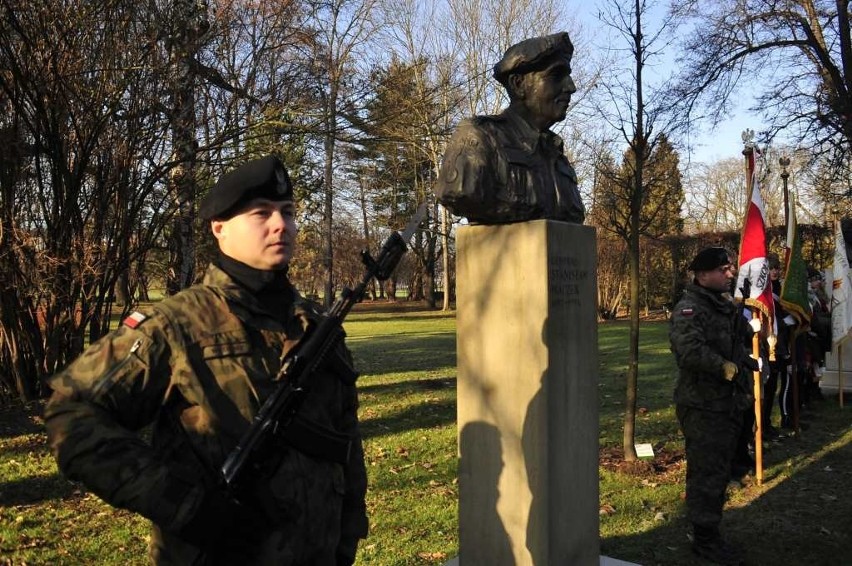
(328, 211)
(629, 439)
(181, 271)
(445, 258)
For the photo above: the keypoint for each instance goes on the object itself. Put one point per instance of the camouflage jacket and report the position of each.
(703, 337)
(196, 367)
(499, 169)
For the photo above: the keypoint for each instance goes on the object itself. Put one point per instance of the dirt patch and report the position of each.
(666, 464)
(16, 420)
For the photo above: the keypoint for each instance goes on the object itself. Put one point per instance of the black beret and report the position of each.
(261, 178)
(709, 259)
(814, 274)
(530, 53)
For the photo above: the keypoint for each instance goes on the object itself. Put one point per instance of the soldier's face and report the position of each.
(718, 279)
(262, 234)
(547, 92)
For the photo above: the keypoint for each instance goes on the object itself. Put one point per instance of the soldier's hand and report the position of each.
(729, 370)
(753, 364)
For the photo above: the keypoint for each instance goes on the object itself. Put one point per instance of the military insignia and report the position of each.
(281, 187)
(686, 312)
(135, 319)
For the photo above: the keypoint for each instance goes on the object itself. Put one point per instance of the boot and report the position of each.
(709, 545)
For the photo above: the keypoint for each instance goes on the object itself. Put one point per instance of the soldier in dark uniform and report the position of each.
(512, 167)
(779, 356)
(196, 367)
(708, 347)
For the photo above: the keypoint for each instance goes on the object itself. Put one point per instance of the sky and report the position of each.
(709, 144)
(725, 140)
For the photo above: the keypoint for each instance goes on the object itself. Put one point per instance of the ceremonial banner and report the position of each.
(753, 264)
(841, 293)
(794, 289)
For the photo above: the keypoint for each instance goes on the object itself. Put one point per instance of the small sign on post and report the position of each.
(645, 451)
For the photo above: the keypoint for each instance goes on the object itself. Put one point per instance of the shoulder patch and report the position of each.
(134, 319)
(686, 312)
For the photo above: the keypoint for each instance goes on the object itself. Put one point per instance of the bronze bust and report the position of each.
(511, 167)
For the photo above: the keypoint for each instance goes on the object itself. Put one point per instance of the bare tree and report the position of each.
(94, 108)
(343, 28)
(716, 199)
(630, 212)
(796, 55)
(79, 205)
(411, 35)
(185, 25)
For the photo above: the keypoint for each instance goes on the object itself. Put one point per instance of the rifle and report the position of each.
(256, 449)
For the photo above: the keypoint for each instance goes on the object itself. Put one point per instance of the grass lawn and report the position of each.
(800, 515)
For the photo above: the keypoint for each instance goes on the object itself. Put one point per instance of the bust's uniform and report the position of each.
(195, 368)
(500, 169)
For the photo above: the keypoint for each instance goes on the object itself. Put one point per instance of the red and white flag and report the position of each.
(753, 263)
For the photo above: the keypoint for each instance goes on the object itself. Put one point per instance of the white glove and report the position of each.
(789, 320)
(755, 324)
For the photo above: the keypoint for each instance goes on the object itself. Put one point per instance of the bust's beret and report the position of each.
(261, 178)
(530, 53)
(709, 259)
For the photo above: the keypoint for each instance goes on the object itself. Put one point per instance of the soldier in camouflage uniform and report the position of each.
(708, 348)
(196, 367)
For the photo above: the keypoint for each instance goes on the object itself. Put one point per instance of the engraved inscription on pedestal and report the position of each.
(565, 276)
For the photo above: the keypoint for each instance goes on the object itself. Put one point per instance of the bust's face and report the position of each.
(544, 95)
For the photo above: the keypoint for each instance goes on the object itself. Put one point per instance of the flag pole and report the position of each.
(839, 344)
(748, 152)
(794, 377)
(758, 405)
(784, 161)
(840, 373)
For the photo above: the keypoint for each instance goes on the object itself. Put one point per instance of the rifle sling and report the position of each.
(315, 440)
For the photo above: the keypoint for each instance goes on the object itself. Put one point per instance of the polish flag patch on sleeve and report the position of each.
(134, 319)
(686, 312)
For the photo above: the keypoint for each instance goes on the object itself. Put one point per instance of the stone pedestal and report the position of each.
(838, 368)
(527, 394)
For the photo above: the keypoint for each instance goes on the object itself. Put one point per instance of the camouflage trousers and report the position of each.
(711, 440)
